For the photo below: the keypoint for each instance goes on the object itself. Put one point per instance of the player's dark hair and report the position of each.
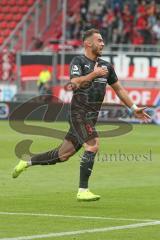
(89, 33)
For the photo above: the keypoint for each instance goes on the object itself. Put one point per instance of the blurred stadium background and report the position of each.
(39, 38)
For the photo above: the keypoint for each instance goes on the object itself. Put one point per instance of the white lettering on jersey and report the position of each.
(101, 80)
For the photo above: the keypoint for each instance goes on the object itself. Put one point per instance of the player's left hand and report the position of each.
(141, 114)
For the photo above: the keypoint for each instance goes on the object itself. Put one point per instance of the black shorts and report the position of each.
(81, 130)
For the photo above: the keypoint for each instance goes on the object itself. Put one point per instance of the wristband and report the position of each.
(133, 107)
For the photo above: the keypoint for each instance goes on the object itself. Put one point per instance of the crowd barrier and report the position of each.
(59, 111)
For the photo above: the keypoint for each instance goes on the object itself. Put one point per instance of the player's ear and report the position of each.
(87, 43)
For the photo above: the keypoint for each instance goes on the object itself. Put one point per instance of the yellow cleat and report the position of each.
(21, 166)
(87, 196)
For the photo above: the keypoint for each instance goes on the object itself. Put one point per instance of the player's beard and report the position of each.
(96, 50)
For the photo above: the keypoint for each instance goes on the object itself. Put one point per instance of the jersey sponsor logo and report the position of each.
(101, 80)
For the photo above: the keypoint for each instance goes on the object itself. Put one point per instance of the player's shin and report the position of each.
(86, 166)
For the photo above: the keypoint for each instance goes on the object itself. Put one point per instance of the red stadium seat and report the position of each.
(9, 17)
(1, 17)
(5, 9)
(4, 2)
(15, 9)
(23, 9)
(12, 25)
(3, 25)
(1, 40)
(6, 32)
(17, 17)
(21, 2)
(12, 2)
(30, 2)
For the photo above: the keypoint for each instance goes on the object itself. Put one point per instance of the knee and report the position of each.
(92, 147)
(64, 157)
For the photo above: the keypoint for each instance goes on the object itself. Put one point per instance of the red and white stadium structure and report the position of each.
(33, 35)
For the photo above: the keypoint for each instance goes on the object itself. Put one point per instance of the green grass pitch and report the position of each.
(129, 189)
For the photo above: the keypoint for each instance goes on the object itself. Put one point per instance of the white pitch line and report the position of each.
(79, 217)
(94, 230)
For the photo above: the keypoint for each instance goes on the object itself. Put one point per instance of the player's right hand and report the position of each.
(100, 71)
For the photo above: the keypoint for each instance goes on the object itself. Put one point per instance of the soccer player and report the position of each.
(89, 76)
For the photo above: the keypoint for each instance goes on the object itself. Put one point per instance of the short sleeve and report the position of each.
(75, 68)
(112, 78)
